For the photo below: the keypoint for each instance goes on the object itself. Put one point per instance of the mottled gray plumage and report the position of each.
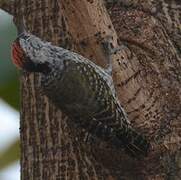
(82, 90)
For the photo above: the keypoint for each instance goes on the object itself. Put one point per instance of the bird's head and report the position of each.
(29, 52)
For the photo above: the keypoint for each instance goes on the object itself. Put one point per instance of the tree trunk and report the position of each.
(147, 78)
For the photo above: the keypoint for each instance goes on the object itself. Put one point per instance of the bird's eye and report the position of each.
(24, 36)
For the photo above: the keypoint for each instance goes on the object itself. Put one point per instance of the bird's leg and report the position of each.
(109, 50)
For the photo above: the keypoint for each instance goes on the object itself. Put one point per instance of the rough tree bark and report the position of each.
(146, 74)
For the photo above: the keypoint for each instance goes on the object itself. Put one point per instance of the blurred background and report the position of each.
(9, 103)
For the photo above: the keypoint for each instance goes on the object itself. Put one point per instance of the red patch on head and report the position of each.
(17, 54)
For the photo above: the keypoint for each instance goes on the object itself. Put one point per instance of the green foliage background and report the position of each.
(9, 84)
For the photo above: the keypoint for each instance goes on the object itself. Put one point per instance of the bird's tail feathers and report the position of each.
(134, 143)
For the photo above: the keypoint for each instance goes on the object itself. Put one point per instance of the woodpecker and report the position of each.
(83, 90)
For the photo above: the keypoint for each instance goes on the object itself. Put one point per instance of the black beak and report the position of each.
(20, 25)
